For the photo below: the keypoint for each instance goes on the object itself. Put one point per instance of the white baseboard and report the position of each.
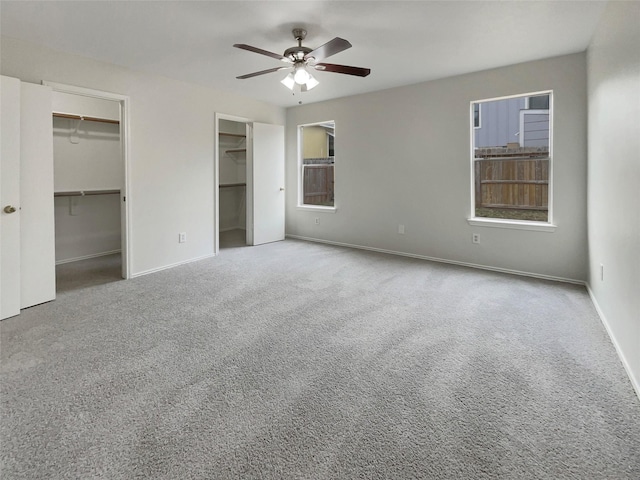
(166, 267)
(85, 257)
(442, 260)
(635, 383)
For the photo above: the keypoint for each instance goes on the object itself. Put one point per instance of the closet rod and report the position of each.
(84, 117)
(82, 193)
(227, 185)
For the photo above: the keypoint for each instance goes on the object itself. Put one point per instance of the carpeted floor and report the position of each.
(297, 360)
(87, 273)
(233, 238)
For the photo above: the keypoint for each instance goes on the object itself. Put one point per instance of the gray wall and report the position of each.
(403, 157)
(614, 177)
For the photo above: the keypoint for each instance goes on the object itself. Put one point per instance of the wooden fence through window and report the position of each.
(318, 185)
(512, 182)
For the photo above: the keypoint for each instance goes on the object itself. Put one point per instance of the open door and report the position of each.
(10, 195)
(265, 183)
(27, 253)
(37, 229)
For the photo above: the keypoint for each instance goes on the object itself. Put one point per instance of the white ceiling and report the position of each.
(403, 42)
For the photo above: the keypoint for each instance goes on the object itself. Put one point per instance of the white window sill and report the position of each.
(317, 208)
(514, 224)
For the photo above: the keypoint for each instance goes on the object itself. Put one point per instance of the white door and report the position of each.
(37, 230)
(10, 197)
(265, 183)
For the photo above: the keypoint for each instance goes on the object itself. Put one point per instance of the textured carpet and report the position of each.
(304, 361)
(233, 238)
(86, 273)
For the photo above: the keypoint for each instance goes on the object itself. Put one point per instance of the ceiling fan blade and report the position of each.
(332, 67)
(262, 52)
(332, 47)
(261, 72)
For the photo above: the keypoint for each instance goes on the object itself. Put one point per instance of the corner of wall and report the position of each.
(613, 88)
(635, 381)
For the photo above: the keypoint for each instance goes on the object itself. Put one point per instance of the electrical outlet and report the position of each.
(475, 238)
(317, 220)
(182, 237)
(401, 229)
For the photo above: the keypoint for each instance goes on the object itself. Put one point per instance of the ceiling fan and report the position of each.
(299, 58)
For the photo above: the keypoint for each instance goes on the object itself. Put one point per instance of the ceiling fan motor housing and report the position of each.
(296, 54)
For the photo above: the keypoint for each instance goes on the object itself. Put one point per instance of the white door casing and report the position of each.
(125, 135)
(265, 183)
(10, 197)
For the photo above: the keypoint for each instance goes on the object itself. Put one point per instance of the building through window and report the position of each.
(511, 154)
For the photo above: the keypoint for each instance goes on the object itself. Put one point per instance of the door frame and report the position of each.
(125, 215)
(216, 177)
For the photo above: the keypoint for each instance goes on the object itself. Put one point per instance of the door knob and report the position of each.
(9, 209)
(282, 189)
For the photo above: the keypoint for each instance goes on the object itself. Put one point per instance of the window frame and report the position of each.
(549, 225)
(300, 205)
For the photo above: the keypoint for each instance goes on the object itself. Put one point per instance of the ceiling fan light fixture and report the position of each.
(288, 81)
(300, 75)
(298, 58)
(312, 82)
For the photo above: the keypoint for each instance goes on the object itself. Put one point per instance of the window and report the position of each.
(317, 157)
(540, 102)
(511, 159)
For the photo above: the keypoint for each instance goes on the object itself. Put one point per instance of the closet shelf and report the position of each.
(228, 185)
(82, 193)
(83, 117)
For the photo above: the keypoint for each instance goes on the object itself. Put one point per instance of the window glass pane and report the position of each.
(476, 115)
(539, 103)
(511, 160)
(318, 158)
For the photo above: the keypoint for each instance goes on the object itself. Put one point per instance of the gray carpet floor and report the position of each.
(87, 273)
(233, 238)
(297, 360)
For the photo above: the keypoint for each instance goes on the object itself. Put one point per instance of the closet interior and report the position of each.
(88, 179)
(232, 155)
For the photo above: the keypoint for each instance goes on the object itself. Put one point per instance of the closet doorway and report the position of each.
(232, 182)
(248, 182)
(90, 186)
